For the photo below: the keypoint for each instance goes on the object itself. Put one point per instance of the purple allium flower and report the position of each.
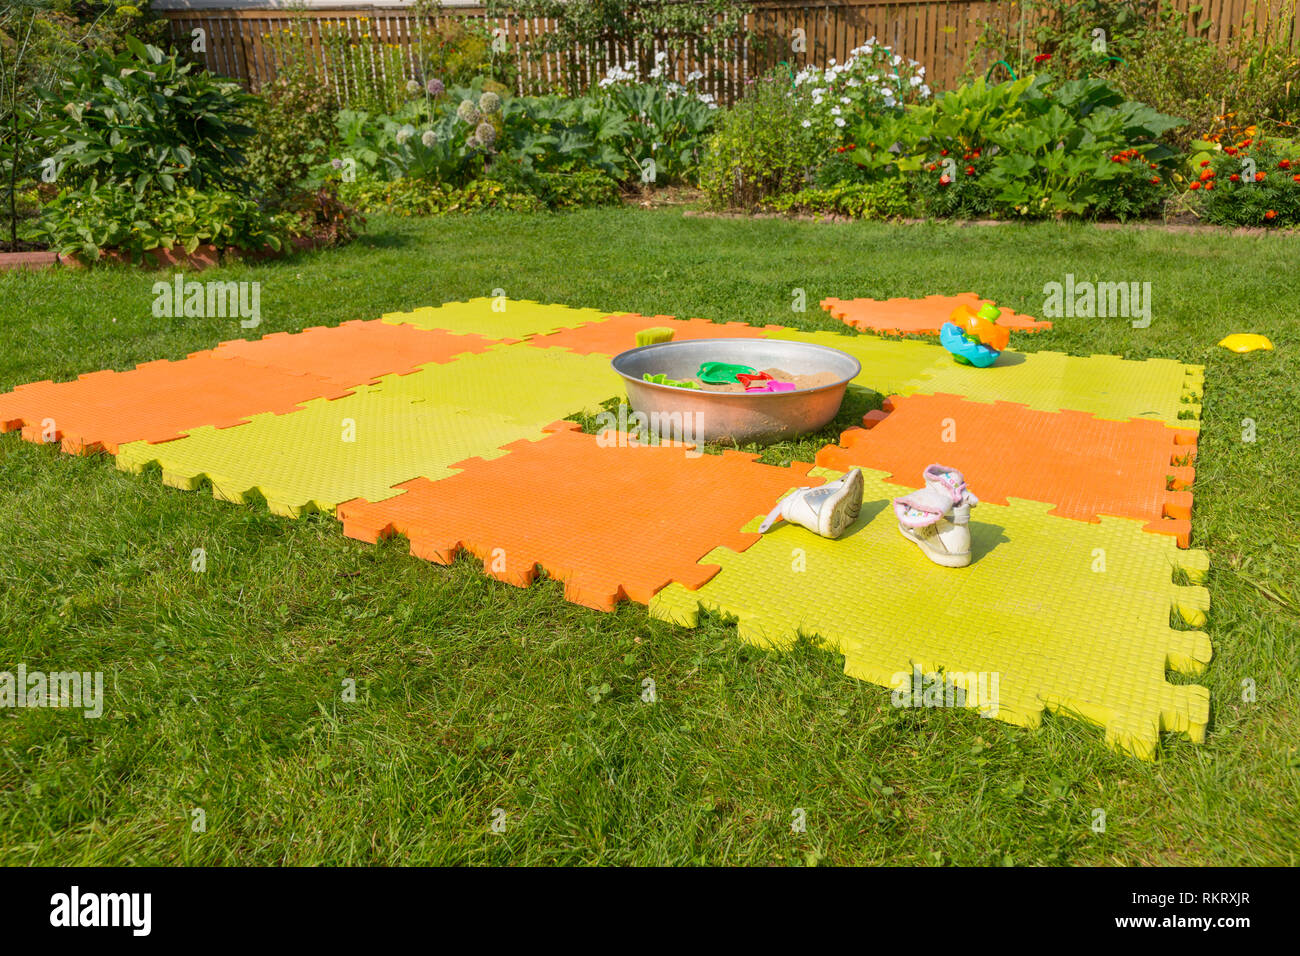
(435, 87)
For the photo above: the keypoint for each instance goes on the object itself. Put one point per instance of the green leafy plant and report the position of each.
(36, 45)
(569, 188)
(1073, 151)
(418, 197)
(295, 118)
(651, 122)
(760, 149)
(145, 119)
(1074, 38)
(875, 200)
(958, 189)
(1027, 148)
(94, 217)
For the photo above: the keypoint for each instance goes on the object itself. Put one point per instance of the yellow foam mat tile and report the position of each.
(498, 318)
(1051, 614)
(1106, 386)
(516, 382)
(328, 452)
(889, 365)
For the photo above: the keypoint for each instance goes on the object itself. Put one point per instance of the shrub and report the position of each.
(1063, 33)
(1257, 79)
(145, 119)
(94, 217)
(456, 50)
(295, 118)
(325, 217)
(759, 150)
(1254, 183)
(40, 41)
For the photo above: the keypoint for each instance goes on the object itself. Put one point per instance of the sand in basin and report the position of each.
(801, 382)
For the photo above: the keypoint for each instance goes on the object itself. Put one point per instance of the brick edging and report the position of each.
(201, 258)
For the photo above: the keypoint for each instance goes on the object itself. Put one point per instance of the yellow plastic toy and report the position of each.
(981, 326)
(1246, 342)
(653, 336)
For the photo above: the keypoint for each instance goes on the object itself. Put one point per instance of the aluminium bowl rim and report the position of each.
(676, 389)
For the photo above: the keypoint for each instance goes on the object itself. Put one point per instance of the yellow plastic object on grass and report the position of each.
(1246, 342)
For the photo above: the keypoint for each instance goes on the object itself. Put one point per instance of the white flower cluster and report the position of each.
(630, 73)
(872, 77)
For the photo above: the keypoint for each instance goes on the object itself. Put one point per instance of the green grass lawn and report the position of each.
(223, 689)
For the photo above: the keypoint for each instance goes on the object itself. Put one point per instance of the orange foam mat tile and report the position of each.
(1085, 466)
(635, 518)
(155, 402)
(354, 353)
(916, 316)
(618, 334)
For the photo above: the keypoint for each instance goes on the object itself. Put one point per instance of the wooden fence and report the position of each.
(252, 45)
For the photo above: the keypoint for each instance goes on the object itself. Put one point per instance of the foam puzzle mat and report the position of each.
(1106, 386)
(912, 316)
(327, 452)
(1072, 617)
(633, 525)
(519, 383)
(443, 424)
(155, 402)
(355, 352)
(495, 318)
(614, 334)
(1083, 465)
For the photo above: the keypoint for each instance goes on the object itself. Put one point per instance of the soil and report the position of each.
(22, 246)
(801, 382)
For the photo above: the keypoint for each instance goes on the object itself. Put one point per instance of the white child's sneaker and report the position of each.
(937, 518)
(827, 510)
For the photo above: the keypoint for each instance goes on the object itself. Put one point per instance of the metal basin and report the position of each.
(738, 416)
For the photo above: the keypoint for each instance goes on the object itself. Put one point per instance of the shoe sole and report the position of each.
(944, 560)
(845, 506)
